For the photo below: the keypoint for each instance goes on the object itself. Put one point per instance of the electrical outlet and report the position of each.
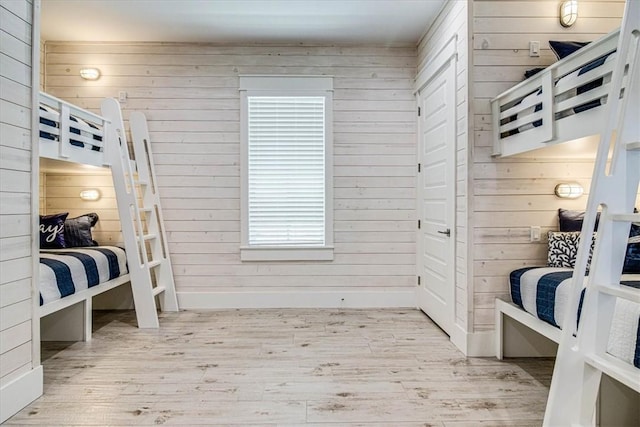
(122, 96)
(535, 233)
(534, 48)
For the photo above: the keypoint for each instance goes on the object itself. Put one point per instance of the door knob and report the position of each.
(447, 232)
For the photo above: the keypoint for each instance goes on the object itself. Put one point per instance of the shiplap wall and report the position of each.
(189, 93)
(62, 194)
(453, 20)
(16, 261)
(510, 195)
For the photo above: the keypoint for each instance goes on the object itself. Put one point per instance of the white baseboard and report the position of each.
(343, 298)
(475, 344)
(459, 338)
(481, 344)
(20, 392)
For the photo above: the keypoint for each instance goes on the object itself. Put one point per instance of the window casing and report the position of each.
(286, 168)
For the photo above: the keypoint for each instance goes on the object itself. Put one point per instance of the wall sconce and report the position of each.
(568, 12)
(90, 73)
(90, 195)
(571, 190)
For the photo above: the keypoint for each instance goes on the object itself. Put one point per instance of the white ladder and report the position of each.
(140, 216)
(582, 354)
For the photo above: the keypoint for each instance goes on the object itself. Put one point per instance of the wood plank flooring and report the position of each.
(285, 367)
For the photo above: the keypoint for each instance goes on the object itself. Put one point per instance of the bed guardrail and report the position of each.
(561, 103)
(70, 133)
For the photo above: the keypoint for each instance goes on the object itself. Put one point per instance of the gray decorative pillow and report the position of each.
(77, 231)
(563, 249)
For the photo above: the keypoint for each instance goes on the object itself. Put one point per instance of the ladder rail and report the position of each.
(122, 174)
(151, 205)
(140, 226)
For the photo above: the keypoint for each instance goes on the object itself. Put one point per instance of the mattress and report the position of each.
(544, 292)
(64, 272)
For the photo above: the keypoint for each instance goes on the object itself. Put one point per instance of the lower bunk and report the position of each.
(69, 279)
(539, 296)
(528, 326)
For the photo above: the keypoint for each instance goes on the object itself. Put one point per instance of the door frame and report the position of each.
(443, 62)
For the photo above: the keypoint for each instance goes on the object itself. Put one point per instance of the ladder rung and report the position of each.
(146, 209)
(617, 369)
(148, 237)
(622, 291)
(153, 264)
(158, 290)
(631, 217)
(633, 146)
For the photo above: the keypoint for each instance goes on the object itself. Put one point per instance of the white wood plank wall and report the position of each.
(510, 195)
(62, 194)
(189, 93)
(453, 20)
(15, 191)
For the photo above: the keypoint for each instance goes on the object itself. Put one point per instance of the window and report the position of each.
(287, 185)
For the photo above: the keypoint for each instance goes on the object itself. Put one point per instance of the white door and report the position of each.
(436, 194)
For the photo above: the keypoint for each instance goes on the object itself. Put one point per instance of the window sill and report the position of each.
(324, 253)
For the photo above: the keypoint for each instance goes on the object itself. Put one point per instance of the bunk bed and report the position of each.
(73, 267)
(586, 303)
(562, 103)
(71, 274)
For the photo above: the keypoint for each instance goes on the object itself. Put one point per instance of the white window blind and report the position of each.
(286, 171)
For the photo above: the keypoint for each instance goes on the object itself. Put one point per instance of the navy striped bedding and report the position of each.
(564, 87)
(64, 272)
(78, 127)
(544, 291)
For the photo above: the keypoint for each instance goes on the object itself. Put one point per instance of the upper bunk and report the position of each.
(70, 133)
(564, 102)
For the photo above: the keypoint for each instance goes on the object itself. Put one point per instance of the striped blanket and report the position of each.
(64, 272)
(544, 292)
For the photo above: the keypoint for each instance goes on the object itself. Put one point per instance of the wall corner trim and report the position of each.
(20, 392)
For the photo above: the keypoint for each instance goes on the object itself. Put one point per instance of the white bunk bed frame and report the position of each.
(111, 150)
(554, 99)
(61, 148)
(582, 357)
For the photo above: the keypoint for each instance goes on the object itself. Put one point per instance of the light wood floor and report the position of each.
(289, 367)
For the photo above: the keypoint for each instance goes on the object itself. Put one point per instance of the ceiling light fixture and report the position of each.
(90, 73)
(568, 12)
